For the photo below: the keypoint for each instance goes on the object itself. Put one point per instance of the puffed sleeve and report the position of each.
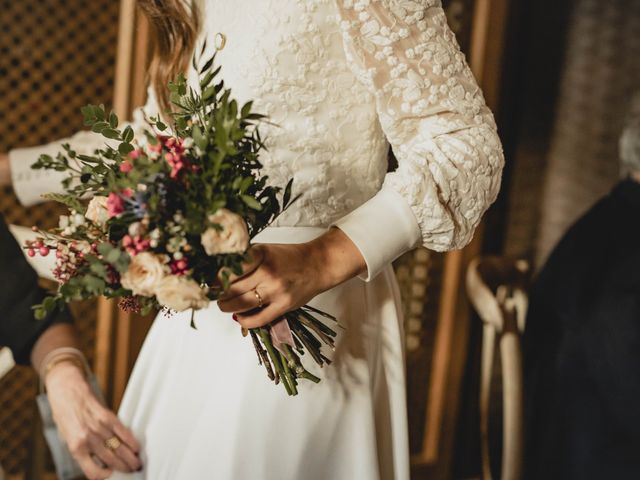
(30, 185)
(435, 118)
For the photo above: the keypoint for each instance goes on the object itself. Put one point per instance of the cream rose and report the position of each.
(180, 294)
(97, 211)
(233, 238)
(144, 274)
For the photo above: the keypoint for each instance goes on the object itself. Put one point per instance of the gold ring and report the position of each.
(258, 297)
(220, 41)
(113, 443)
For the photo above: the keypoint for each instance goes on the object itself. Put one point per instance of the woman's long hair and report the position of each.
(174, 29)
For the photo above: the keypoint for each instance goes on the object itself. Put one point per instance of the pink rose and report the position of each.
(135, 154)
(115, 205)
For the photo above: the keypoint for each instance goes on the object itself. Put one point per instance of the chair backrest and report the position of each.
(496, 287)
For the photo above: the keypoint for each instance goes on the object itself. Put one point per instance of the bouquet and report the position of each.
(163, 221)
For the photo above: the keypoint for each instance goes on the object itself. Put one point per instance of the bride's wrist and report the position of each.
(335, 258)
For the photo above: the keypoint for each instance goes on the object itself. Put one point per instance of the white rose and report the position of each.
(233, 238)
(180, 294)
(97, 211)
(143, 275)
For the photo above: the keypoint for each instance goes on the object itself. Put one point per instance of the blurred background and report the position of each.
(559, 76)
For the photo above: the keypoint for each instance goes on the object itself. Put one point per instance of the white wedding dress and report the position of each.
(342, 79)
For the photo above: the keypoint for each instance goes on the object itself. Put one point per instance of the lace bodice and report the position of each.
(343, 79)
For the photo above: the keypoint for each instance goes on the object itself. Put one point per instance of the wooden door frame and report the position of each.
(488, 32)
(116, 330)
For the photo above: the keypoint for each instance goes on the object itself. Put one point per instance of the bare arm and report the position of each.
(84, 423)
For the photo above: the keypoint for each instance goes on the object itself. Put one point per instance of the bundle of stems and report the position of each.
(309, 334)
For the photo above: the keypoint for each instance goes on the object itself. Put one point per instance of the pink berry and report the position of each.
(126, 167)
(31, 252)
(44, 251)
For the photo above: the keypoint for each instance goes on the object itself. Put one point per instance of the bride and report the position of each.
(342, 80)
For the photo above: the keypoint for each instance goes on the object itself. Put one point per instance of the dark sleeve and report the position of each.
(612, 343)
(19, 291)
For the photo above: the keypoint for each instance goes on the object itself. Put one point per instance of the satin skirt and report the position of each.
(203, 408)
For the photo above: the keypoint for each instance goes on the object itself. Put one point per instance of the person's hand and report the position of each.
(85, 425)
(5, 170)
(285, 277)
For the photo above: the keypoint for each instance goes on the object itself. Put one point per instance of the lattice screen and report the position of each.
(55, 56)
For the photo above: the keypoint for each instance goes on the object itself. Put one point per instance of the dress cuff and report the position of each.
(383, 228)
(30, 184)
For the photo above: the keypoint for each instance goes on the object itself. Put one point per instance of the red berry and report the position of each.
(44, 251)
(31, 252)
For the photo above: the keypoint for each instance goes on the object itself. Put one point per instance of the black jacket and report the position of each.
(19, 290)
(582, 349)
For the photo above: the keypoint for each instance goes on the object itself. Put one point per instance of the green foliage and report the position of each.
(223, 170)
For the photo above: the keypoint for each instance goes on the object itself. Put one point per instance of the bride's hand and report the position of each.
(85, 425)
(284, 277)
(5, 171)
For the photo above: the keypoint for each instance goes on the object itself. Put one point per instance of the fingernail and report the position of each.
(235, 317)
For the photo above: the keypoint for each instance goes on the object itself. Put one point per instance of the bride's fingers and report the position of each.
(244, 302)
(245, 285)
(255, 258)
(262, 317)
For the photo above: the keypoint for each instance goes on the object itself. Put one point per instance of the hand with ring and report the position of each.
(282, 277)
(97, 439)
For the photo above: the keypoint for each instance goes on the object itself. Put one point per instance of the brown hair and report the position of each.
(174, 28)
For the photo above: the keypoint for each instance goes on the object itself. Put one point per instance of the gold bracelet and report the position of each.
(55, 355)
(66, 357)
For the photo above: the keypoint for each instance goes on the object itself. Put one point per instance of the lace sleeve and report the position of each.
(30, 185)
(432, 112)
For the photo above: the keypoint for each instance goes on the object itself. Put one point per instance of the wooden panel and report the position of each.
(50, 65)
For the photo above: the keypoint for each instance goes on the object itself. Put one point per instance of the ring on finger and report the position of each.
(97, 461)
(258, 297)
(113, 443)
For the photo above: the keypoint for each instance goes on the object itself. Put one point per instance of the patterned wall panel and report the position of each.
(55, 56)
(602, 71)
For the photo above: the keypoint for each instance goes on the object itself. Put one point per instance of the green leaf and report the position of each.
(246, 109)
(127, 134)
(125, 148)
(111, 133)
(113, 256)
(251, 202)
(39, 312)
(287, 193)
(246, 183)
(113, 120)
(99, 269)
(98, 127)
(208, 64)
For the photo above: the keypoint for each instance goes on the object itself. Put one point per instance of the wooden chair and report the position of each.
(496, 287)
